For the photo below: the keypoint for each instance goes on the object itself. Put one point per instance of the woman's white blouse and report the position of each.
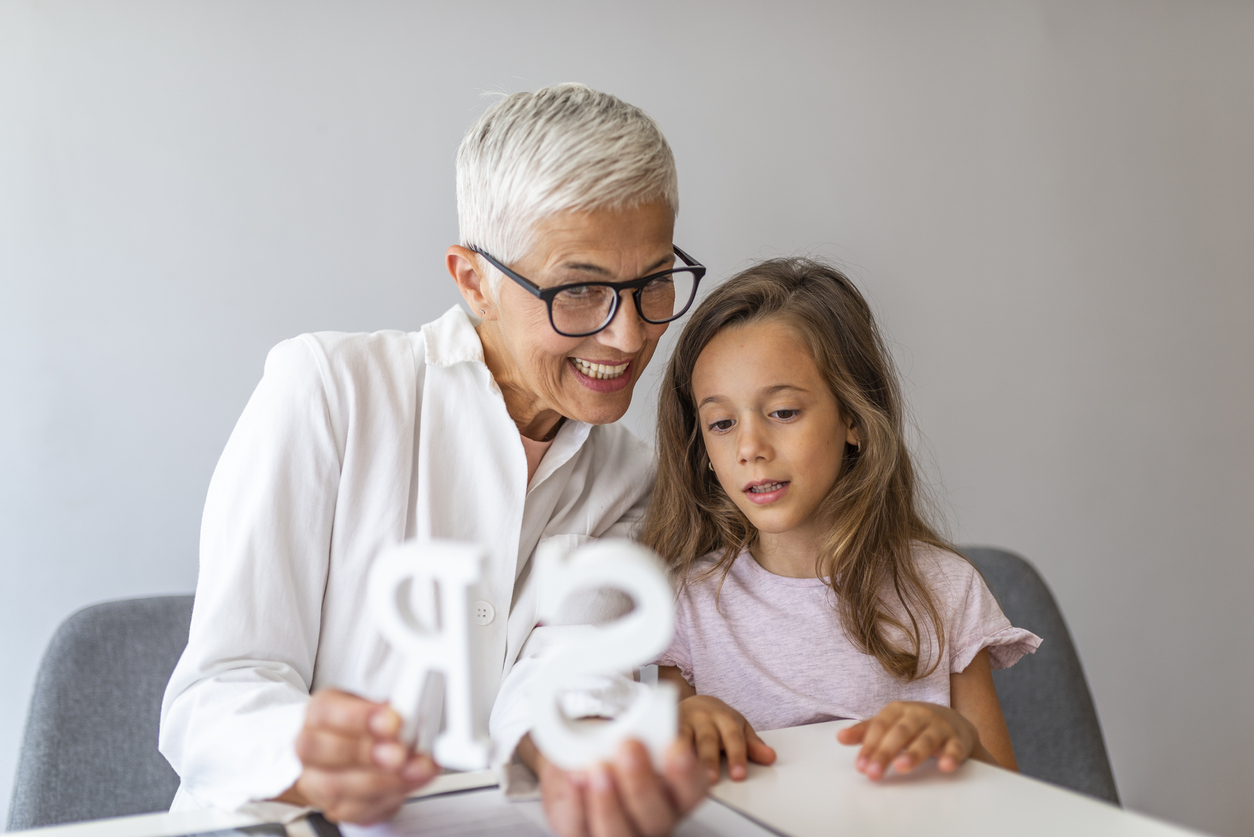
(352, 443)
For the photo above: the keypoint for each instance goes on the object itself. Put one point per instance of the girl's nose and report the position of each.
(626, 332)
(752, 442)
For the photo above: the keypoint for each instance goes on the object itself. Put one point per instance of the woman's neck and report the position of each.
(792, 554)
(534, 419)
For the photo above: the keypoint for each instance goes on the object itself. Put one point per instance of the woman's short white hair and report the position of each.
(560, 149)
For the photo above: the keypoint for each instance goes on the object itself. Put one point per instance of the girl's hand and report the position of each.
(711, 726)
(907, 733)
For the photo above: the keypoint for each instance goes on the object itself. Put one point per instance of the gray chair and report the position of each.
(1045, 697)
(90, 748)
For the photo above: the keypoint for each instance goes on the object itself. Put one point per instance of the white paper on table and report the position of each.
(485, 812)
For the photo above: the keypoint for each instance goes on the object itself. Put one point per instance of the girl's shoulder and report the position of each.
(704, 575)
(948, 576)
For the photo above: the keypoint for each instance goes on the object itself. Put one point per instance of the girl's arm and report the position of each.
(972, 694)
(907, 733)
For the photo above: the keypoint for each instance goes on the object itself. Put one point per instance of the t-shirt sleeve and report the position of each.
(976, 620)
(679, 653)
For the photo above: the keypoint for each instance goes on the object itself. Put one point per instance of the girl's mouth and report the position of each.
(763, 493)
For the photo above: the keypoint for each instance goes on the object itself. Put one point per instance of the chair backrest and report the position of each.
(1045, 698)
(90, 748)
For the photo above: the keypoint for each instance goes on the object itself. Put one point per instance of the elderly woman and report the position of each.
(496, 428)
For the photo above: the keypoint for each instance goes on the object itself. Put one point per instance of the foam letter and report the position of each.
(622, 645)
(434, 570)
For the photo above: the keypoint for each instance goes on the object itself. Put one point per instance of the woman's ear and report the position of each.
(463, 266)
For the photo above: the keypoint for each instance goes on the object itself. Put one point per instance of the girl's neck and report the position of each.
(792, 554)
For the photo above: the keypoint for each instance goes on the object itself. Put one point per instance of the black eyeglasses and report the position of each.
(587, 307)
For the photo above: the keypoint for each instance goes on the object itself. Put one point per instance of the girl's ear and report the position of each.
(851, 433)
(463, 266)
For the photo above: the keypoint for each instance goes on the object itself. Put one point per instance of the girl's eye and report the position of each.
(785, 414)
(722, 424)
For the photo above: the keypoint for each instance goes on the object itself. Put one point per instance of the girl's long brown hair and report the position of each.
(873, 509)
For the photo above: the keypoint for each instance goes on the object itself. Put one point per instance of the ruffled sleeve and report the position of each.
(974, 619)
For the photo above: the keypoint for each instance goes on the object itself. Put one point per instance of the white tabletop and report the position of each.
(812, 789)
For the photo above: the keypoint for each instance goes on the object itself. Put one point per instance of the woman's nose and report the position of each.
(626, 332)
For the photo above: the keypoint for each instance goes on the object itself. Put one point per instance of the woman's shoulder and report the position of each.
(351, 353)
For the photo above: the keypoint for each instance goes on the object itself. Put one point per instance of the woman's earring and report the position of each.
(483, 310)
(858, 445)
(711, 464)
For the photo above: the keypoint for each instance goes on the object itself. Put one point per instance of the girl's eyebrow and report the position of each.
(715, 399)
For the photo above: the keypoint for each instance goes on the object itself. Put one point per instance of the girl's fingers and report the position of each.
(733, 735)
(925, 744)
(876, 729)
(708, 750)
(954, 753)
(853, 734)
(759, 751)
(898, 736)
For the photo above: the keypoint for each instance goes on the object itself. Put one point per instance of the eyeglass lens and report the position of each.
(581, 309)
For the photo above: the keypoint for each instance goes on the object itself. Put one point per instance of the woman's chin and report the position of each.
(599, 408)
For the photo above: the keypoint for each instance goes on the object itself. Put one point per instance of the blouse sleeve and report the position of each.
(236, 701)
(976, 621)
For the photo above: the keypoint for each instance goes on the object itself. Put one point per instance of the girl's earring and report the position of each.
(711, 464)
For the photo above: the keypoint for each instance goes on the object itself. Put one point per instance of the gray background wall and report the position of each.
(1051, 205)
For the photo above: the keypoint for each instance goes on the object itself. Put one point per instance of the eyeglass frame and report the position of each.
(697, 269)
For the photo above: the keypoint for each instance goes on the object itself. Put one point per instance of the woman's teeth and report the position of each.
(600, 370)
(767, 488)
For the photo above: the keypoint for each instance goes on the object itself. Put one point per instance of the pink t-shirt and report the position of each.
(774, 648)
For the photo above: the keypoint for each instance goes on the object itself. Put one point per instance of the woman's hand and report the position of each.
(355, 769)
(622, 797)
(710, 727)
(907, 733)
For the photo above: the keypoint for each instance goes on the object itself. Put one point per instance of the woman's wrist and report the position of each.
(530, 754)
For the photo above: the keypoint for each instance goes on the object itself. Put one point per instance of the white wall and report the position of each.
(1050, 204)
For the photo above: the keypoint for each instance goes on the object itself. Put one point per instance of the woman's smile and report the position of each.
(601, 377)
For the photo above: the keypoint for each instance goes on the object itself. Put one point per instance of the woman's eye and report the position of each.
(721, 424)
(785, 414)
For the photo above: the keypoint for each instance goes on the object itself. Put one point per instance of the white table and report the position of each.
(812, 789)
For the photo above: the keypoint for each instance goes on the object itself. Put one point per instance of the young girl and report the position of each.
(811, 587)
